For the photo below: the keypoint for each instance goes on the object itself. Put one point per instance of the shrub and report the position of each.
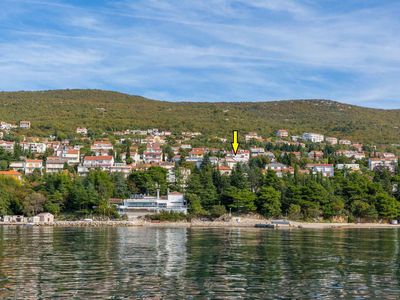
(170, 216)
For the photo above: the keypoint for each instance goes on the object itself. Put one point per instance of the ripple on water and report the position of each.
(171, 263)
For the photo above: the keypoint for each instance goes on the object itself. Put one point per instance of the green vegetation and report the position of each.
(367, 196)
(59, 112)
(169, 216)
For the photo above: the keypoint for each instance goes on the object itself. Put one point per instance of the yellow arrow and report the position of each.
(235, 144)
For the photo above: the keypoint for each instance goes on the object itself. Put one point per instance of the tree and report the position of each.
(269, 202)
(387, 206)
(33, 204)
(294, 212)
(239, 200)
(194, 204)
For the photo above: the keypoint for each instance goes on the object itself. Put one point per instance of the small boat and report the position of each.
(273, 226)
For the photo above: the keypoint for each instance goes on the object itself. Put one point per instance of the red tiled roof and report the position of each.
(105, 157)
(33, 161)
(10, 172)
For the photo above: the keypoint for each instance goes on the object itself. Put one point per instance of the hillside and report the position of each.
(64, 110)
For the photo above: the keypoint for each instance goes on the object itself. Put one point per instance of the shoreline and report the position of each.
(244, 223)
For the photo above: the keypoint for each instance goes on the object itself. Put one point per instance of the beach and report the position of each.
(234, 222)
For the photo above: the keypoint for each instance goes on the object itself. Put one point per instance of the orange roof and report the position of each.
(224, 168)
(105, 157)
(10, 172)
(33, 160)
(73, 151)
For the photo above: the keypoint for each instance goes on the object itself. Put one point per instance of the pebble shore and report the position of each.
(242, 223)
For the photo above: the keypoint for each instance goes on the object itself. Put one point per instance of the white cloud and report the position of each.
(205, 50)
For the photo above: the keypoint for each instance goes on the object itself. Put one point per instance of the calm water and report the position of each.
(181, 263)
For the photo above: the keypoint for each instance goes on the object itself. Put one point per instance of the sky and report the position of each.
(208, 50)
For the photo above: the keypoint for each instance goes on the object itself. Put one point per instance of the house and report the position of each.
(6, 126)
(331, 140)
(82, 130)
(295, 138)
(11, 173)
(279, 169)
(55, 164)
(230, 162)
(315, 155)
(242, 156)
(385, 155)
(105, 161)
(350, 154)
(71, 155)
(197, 152)
(358, 147)
(252, 136)
(276, 166)
(101, 147)
(14, 219)
(345, 142)
(25, 124)
(313, 137)
(186, 146)
(31, 165)
(224, 170)
(7, 146)
(17, 165)
(121, 168)
(257, 151)
(282, 133)
(327, 170)
(351, 167)
(152, 154)
(139, 205)
(34, 147)
(45, 217)
(388, 163)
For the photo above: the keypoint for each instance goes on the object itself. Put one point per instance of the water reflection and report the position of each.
(177, 263)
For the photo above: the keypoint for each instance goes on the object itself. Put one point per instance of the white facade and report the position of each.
(34, 147)
(389, 163)
(313, 137)
(141, 205)
(7, 146)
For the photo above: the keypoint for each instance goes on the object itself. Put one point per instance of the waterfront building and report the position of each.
(139, 205)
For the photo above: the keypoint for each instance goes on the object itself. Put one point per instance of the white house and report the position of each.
(7, 146)
(25, 124)
(327, 170)
(101, 148)
(34, 147)
(153, 153)
(389, 163)
(82, 130)
(139, 205)
(345, 142)
(331, 140)
(31, 165)
(313, 137)
(55, 164)
(351, 167)
(282, 133)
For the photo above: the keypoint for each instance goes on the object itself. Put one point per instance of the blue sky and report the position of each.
(211, 50)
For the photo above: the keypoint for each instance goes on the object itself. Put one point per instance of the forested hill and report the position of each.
(64, 110)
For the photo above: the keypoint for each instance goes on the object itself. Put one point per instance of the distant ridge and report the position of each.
(64, 110)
